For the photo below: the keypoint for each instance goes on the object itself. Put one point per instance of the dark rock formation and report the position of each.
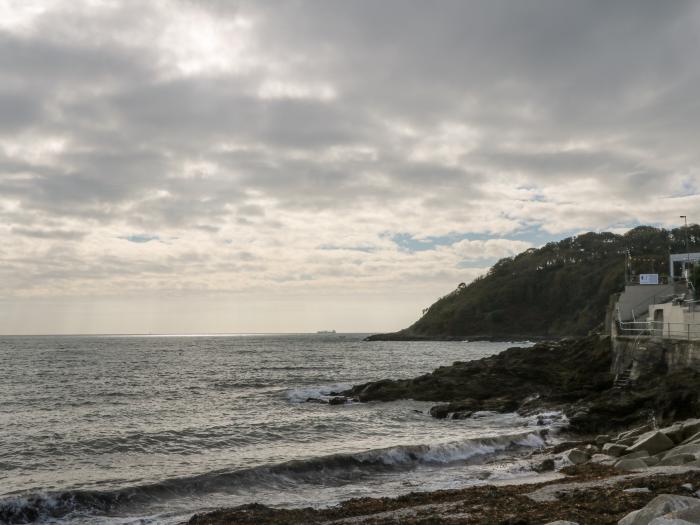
(547, 372)
(571, 375)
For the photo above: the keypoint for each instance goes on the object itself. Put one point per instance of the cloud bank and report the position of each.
(288, 160)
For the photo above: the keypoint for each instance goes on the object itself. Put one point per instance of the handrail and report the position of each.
(663, 329)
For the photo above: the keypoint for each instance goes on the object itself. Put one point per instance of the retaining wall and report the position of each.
(646, 354)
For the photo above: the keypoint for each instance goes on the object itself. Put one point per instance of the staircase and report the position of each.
(623, 379)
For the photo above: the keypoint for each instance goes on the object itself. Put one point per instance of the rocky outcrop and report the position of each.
(572, 375)
(518, 378)
(660, 506)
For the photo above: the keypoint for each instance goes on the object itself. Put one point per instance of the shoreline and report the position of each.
(590, 495)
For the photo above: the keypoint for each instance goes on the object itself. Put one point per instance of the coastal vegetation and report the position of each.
(559, 289)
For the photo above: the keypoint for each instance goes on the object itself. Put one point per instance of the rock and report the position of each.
(444, 410)
(315, 400)
(688, 486)
(627, 441)
(651, 461)
(673, 432)
(631, 464)
(685, 449)
(602, 459)
(637, 490)
(439, 411)
(566, 445)
(691, 427)
(561, 522)
(602, 439)
(695, 438)
(591, 449)
(635, 455)
(665, 520)
(614, 450)
(690, 515)
(462, 414)
(657, 507)
(576, 456)
(676, 459)
(339, 400)
(545, 466)
(633, 433)
(653, 442)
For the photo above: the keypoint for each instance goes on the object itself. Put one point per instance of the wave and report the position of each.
(332, 469)
(323, 393)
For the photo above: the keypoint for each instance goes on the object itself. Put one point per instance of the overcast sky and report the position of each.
(220, 166)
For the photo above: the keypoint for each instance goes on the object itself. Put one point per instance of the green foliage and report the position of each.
(559, 289)
(695, 279)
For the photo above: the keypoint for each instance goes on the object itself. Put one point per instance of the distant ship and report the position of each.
(326, 332)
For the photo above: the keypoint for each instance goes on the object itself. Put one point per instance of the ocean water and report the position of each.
(151, 429)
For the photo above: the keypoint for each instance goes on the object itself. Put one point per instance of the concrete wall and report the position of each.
(653, 354)
(675, 321)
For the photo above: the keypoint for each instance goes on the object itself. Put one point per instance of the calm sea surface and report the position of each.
(151, 429)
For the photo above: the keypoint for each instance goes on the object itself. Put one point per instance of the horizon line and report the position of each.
(192, 334)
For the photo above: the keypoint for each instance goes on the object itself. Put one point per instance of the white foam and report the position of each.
(443, 453)
(323, 392)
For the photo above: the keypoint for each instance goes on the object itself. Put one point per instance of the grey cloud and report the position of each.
(622, 76)
(65, 235)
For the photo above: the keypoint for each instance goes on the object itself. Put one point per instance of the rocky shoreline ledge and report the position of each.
(618, 467)
(572, 375)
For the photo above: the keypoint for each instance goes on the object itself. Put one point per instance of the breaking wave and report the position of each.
(322, 393)
(332, 469)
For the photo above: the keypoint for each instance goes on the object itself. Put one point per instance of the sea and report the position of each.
(153, 429)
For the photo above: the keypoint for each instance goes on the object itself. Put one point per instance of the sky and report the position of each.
(179, 166)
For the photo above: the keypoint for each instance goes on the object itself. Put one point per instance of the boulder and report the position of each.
(685, 449)
(627, 441)
(613, 449)
(631, 464)
(339, 400)
(695, 438)
(665, 520)
(653, 442)
(576, 456)
(657, 507)
(462, 414)
(633, 433)
(602, 459)
(561, 522)
(690, 515)
(602, 440)
(440, 411)
(635, 455)
(676, 459)
(691, 427)
(651, 461)
(673, 432)
(546, 466)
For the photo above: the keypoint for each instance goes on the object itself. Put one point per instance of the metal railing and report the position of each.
(667, 330)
